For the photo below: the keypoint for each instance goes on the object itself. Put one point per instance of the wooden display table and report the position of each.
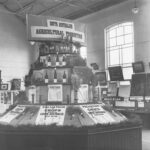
(92, 138)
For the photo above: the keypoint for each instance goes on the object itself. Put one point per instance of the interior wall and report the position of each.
(96, 24)
(16, 53)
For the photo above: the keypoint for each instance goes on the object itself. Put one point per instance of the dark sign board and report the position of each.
(138, 84)
(138, 67)
(147, 92)
(116, 73)
(101, 78)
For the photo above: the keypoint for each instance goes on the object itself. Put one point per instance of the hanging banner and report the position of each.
(41, 28)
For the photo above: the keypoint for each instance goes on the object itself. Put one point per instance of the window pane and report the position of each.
(120, 40)
(107, 41)
(112, 33)
(114, 57)
(119, 31)
(83, 52)
(127, 24)
(114, 48)
(127, 45)
(127, 55)
(113, 42)
(127, 65)
(127, 73)
(128, 29)
(128, 38)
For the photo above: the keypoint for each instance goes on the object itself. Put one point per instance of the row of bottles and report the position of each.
(52, 60)
(55, 48)
(55, 77)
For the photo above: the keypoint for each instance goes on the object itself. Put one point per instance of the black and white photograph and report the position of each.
(75, 75)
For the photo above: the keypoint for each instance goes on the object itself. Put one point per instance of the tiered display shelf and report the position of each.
(53, 69)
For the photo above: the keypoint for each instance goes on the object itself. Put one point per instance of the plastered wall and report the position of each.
(16, 53)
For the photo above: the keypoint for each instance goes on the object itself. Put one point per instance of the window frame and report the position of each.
(120, 47)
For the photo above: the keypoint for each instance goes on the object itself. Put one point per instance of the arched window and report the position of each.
(119, 47)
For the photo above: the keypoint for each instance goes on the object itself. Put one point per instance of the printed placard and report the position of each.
(55, 92)
(51, 114)
(12, 114)
(147, 98)
(32, 94)
(97, 113)
(125, 103)
(141, 104)
(83, 94)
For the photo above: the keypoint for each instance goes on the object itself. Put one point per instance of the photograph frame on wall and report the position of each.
(101, 78)
(4, 87)
(138, 67)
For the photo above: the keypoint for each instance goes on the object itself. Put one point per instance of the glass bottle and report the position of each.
(57, 60)
(46, 77)
(55, 76)
(64, 60)
(64, 77)
(49, 61)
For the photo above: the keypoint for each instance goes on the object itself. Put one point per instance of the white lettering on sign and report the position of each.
(98, 114)
(125, 103)
(56, 23)
(56, 33)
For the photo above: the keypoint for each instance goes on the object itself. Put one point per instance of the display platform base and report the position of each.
(125, 138)
(143, 115)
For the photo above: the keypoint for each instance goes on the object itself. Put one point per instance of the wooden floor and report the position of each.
(146, 139)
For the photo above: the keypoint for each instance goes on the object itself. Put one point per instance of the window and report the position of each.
(83, 52)
(119, 47)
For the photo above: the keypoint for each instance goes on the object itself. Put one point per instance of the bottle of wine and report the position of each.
(44, 62)
(64, 60)
(49, 61)
(64, 77)
(57, 60)
(55, 76)
(46, 77)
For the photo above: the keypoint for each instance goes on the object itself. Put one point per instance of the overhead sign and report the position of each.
(51, 28)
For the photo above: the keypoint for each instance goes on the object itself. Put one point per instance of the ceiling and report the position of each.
(69, 9)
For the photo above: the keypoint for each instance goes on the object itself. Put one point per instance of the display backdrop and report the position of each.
(48, 28)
